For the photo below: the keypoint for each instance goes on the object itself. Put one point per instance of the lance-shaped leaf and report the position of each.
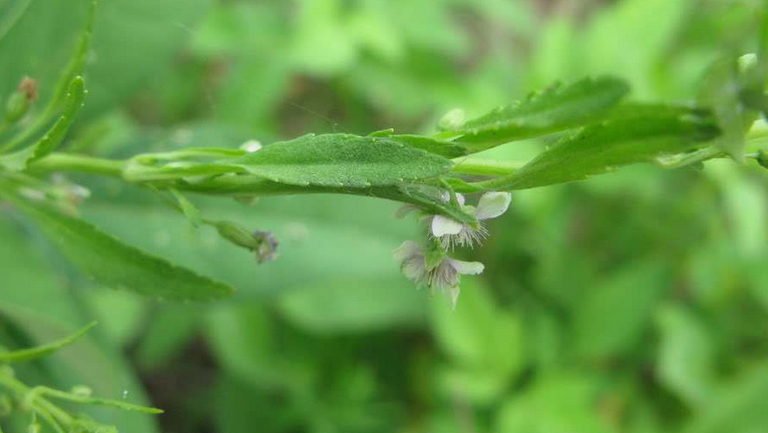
(60, 99)
(88, 400)
(45, 349)
(113, 263)
(555, 109)
(431, 145)
(342, 160)
(18, 160)
(603, 147)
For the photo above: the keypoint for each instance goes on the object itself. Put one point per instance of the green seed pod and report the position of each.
(237, 234)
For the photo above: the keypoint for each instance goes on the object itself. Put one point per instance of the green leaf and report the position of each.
(555, 109)
(81, 399)
(342, 160)
(484, 343)
(61, 98)
(556, 401)
(686, 362)
(46, 349)
(113, 263)
(128, 34)
(620, 141)
(738, 407)
(431, 145)
(38, 36)
(612, 316)
(37, 298)
(19, 160)
(352, 306)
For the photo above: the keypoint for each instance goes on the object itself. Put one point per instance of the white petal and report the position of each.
(492, 204)
(453, 295)
(460, 199)
(467, 268)
(442, 226)
(407, 249)
(446, 196)
(414, 269)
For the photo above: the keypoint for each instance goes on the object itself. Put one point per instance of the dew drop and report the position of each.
(125, 394)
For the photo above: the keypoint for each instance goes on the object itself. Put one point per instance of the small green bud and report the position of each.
(452, 120)
(20, 101)
(747, 62)
(237, 234)
(262, 242)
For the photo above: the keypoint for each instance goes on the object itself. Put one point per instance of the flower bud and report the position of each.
(20, 101)
(237, 234)
(264, 243)
(452, 120)
(267, 249)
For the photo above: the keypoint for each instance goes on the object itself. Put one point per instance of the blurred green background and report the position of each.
(634, 302)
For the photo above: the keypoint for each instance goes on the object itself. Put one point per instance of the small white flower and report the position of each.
(413, 262)
(451, 232)
(445, 276)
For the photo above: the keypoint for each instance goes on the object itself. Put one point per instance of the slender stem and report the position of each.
(486, 167)
(37, 402)
(79, 164)
(701, 155)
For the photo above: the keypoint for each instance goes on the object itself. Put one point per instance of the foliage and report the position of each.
(632, 300)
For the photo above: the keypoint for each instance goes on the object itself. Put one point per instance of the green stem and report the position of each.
(486, 167)
(679, 161)
(37, 403)
(79, 164)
